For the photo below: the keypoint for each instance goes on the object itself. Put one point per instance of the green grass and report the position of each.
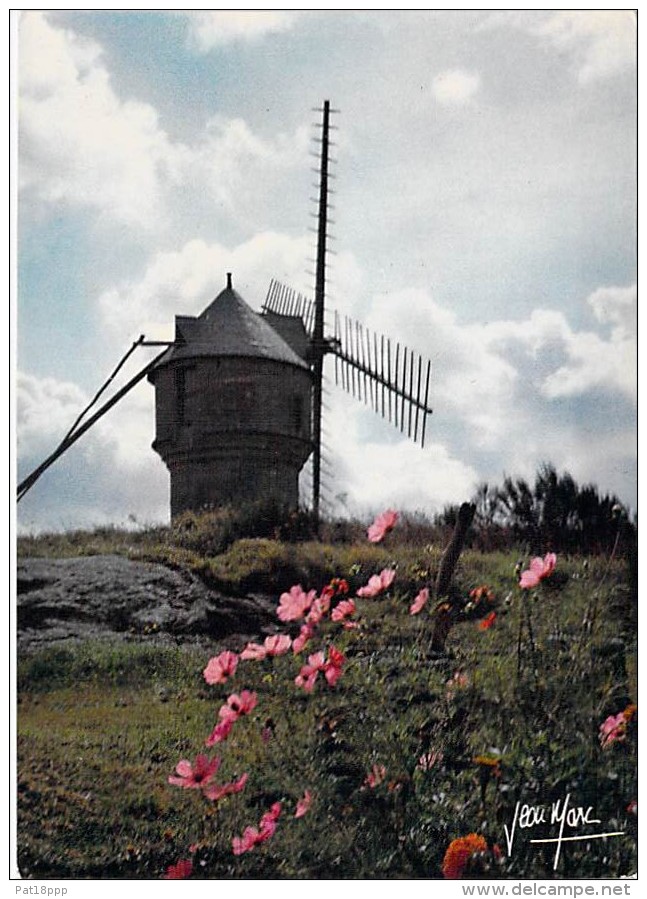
(101, 727)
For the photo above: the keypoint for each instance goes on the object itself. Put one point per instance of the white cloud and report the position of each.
(617, 305)
(45, 410)
(455, 87)
(367, 474)
(216, 28)
(598, 43)
(109, 473)
(79, 143)
(495, 385)
(597, 363)
(184, 282)
(603, 42)
(82, 145)
(233, 163)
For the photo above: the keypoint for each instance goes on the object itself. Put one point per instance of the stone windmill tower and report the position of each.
(232, 403)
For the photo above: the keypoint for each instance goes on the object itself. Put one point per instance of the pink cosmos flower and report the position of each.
(632, 808)
(375, 776)
(216, 792)
(253, 652)
(342, 610)
(303, 805)
(305, 635)
(221, 667)
(318, 609)
(252, 836)
(270, 817)
(613, 730)
(332, 668)
(277, 645)
(382, 525)
(420, 601)
(308, 675)
(180, 871)
(487, 622)
(295, 604)
(248, 840)
(220, 732)
(197, 775)
(377, 584)
(539, 569)
(238, 705)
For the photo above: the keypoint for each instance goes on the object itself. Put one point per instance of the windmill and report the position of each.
(239, 395)
(393, 379)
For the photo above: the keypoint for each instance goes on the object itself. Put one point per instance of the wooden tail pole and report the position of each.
(444, 615)
(70, 439)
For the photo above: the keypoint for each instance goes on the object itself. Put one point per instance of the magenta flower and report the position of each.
(220, 732)
(420, 601)
(272, 646)
(317, 662)
(248, 840)
(305, 635)
(180, 871)
(252, 836)
(539, 569)
(377, 584)
(303, 805)
(613, 730)
(382, 525)
(270, 817)
(197, 775)
(332, 668)
(277, 645)
(308, 675)
(238, 705)
(295, 604)
(318, 609)
(221, 667)
(216, 792)
(375, 776)
(343, 609)
(253, 652)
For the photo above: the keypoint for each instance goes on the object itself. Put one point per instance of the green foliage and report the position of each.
(553, 512)
(102, 727)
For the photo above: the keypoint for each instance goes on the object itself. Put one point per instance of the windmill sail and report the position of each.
(393, 379)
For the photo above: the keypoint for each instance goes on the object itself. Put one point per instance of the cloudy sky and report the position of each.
(485, 216)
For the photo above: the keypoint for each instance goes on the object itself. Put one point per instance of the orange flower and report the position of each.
(487, 622)
(481, 594)
(459, 852)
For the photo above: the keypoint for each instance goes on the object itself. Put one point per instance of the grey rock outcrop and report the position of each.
(115, 597)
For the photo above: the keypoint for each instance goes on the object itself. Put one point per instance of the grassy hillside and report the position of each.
(407, 752)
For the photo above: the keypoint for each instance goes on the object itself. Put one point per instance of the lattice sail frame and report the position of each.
(393, 379)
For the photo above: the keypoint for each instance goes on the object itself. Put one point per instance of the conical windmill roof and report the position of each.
(229, 327)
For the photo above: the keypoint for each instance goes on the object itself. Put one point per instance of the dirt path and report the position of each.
(111, 597)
